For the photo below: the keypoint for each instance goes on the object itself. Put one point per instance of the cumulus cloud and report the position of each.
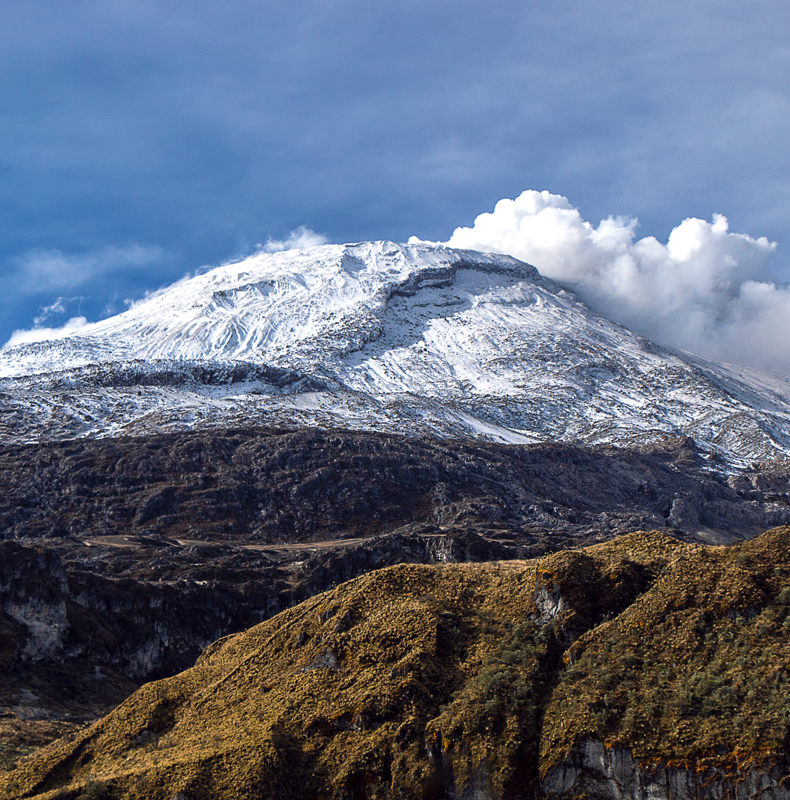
(297, 239)
(706, 290)
(45, 334)
(52, 270)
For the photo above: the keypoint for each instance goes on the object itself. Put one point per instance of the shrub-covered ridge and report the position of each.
(428, 681)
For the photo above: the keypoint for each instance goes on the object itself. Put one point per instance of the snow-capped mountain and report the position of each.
(410, 338)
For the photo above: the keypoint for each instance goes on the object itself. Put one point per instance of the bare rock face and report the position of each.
(611, 773)
(67, 631)
(32, 586)
(550, 602)
(275, 486)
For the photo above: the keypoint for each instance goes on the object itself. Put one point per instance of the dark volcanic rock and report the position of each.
(83, 639)
(273, 486)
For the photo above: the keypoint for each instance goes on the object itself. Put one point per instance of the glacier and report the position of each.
(418, 339)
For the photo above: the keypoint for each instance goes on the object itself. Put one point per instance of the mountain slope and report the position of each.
(486, 681)
(379, 336)
(253, 486)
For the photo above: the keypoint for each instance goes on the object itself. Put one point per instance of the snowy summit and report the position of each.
(417, 338)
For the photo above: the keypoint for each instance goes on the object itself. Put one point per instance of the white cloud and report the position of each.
(297, 239)
(45, 334)
(706, 290)
(48, 270)
(59, 306)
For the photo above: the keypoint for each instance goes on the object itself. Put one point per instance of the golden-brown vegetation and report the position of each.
(413, 679)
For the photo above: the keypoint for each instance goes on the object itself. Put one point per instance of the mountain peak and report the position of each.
(255, 308)
(415, 338)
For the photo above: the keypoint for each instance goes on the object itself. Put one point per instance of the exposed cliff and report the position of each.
(593, 769)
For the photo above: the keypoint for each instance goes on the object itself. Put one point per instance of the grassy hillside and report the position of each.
(415, 680)
(697, 671)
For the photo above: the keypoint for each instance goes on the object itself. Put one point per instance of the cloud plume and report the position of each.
(297, 239)
(706, 290)
(46, 270)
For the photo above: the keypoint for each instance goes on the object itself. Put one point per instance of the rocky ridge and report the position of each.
(264, 486)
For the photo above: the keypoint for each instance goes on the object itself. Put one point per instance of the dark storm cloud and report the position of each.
(198, 130)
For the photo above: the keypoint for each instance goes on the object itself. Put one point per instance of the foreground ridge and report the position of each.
(503, 680)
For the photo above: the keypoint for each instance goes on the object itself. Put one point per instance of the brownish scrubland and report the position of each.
(494, 680)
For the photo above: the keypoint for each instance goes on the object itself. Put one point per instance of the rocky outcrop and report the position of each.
(611, 773)
(33, 588)
(274, 486)
(142, 631)
(550, 602)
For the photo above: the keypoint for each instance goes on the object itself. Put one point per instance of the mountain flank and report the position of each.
(454, 433)
(123, 559)
(270, 486)
(640, 666)
(414, 339)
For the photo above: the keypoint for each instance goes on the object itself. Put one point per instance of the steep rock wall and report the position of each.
(594, 770)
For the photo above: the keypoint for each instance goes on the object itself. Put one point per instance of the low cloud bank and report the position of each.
(706, 290)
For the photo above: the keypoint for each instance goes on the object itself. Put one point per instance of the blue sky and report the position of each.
(141, 140)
